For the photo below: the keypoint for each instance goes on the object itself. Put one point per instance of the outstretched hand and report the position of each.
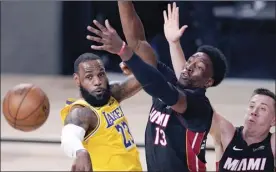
(107, 35)
(171, 24)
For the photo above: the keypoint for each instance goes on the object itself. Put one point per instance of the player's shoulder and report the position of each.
(74, 103)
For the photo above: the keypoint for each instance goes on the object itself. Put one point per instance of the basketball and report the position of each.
(26, 107)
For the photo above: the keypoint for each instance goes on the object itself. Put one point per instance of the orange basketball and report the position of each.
(26, 107)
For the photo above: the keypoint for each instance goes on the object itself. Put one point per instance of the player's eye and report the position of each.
(101, 74)
(89, 77)
(200, 68)
(263, 108)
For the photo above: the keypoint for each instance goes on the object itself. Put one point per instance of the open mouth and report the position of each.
(185, 75)
(99, 91)
(251, 121)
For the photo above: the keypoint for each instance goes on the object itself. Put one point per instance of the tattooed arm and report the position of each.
(83, 117)
(126, 89)
(80, 121)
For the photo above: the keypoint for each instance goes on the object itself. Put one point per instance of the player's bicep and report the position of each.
(215, 130)
(125, 89)
(225, 129)
(146, 52)
(82, 117)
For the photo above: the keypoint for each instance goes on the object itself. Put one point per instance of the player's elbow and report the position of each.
(134, 43)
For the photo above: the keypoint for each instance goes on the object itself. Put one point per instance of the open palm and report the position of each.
(171, 24)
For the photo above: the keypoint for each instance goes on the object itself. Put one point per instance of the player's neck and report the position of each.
(252, 137)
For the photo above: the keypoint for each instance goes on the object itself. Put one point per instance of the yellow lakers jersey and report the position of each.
(110, 145)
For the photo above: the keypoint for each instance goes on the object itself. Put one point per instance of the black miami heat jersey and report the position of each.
(176, 142)
(238, 156)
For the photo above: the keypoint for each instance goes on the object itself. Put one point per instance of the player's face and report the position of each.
(260, 113)
(197, 71)
(93, 82)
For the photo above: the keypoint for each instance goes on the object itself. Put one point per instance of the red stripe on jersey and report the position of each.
(193, 144)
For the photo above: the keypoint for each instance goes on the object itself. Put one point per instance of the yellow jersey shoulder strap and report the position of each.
(70, 103)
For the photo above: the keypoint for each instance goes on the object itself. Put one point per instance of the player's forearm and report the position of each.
(71, 139)
(177, 57)
(126, 89)
(132, 26)
(151, 79)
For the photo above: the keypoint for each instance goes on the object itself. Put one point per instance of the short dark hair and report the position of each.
(218, 60)
(83, 58)
(264, 91)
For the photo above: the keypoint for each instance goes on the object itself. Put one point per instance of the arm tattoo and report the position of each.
(125, 89)
(82, 117)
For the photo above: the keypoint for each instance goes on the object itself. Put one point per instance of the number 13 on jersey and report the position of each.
(160, 137)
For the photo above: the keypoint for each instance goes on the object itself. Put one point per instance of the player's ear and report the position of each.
(209, 82)
(77, 79)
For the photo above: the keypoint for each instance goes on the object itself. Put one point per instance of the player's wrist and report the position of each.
(81, 152)
(121, 51)
(174, 43)
(127, 53)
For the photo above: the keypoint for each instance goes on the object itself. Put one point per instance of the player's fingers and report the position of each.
(100, 26)
(108, 26)
(183, 28)
(174, 10)
(95, 31)
(95, 47)
(176, 14)
(169, 11)
(93, 38)
(97, 39)
(165, 16)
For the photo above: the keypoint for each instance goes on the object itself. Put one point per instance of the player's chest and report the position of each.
(109, 117)
(247, 158)
(163, 116)
(245, 163)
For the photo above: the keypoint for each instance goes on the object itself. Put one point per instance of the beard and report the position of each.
(96, 100)
(183, 85)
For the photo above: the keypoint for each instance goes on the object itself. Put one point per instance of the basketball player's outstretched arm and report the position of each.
(151, 79)
(79, 121)
(125, 89)
(134, 32)
(173, 35)
(222, 132)
(112, 43)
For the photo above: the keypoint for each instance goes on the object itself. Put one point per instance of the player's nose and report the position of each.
(190, 67)
(97, 81)
(253, 113)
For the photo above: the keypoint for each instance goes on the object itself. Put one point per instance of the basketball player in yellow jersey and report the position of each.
(96, 132)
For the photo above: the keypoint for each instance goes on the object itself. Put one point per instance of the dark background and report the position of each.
(247, 42)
